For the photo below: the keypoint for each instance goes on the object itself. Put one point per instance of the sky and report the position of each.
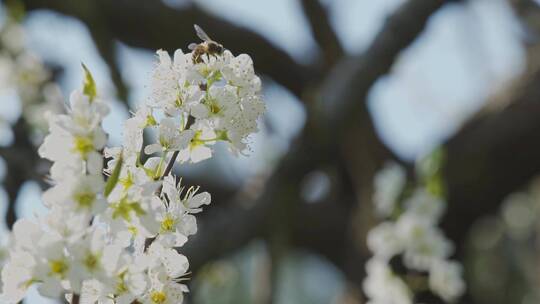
(466, 53)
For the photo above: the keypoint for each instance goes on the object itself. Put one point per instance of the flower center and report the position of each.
(58, 267)
(133, 230)
(91, 261)
(178, 102)
(128, 181)
(124, 207)
(158, 297)
(83, 145)
(167, 224)
(196, 140)
(85, 199)
(121, 286)
(150, 120)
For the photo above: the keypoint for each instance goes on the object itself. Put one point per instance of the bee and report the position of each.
(208, 46)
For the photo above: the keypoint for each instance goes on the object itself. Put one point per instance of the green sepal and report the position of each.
(16, 10)
(89, 85)
(430, 170)
(113, 179)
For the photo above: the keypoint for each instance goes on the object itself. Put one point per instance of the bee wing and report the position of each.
(192, 46)
(202, 34)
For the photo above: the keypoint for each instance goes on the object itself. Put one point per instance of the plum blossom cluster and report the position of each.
(217, 99)
(23, 74)
(54, 250)
(114, 234)
(411, 254)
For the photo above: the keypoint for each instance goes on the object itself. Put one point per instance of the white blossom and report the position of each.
(445, 279)
(24, 73)
(17, 276)
(164, 83)
(199, 147)
(129, 279)
(383, 286)
(171, 138)
(190, 201)
(240, 73)
(93, 291)
(385, 241)
(425, 243)
(78, 194)
(168, 292)
(51, 266)
(424, 205)
(221, 94)
(92, 259)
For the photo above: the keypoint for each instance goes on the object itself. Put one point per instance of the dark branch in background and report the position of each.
(322, 31)
(496, 153)
(106, 46)
(343, 101)
(225, 232)
(353, 77)
(153, 25)
(21, 165)
(528, 13)
(493, 155)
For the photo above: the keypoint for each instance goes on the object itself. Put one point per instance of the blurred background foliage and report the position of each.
(349, 84)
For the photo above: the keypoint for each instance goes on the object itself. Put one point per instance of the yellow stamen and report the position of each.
(58, 267)
(83, 145)
(167, 224)
(85, 199)
(158, 297)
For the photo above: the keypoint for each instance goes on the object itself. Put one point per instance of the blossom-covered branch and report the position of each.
(410, 262)
(115, 240)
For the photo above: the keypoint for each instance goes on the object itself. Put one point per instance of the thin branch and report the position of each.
(322, 31)
(170, 165)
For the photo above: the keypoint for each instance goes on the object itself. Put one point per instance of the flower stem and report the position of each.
(160, 165)
(208, 139)
(75, 299)
(170, 165)
(167, 171)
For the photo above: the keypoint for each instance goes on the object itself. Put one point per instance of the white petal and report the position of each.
(153, 148)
